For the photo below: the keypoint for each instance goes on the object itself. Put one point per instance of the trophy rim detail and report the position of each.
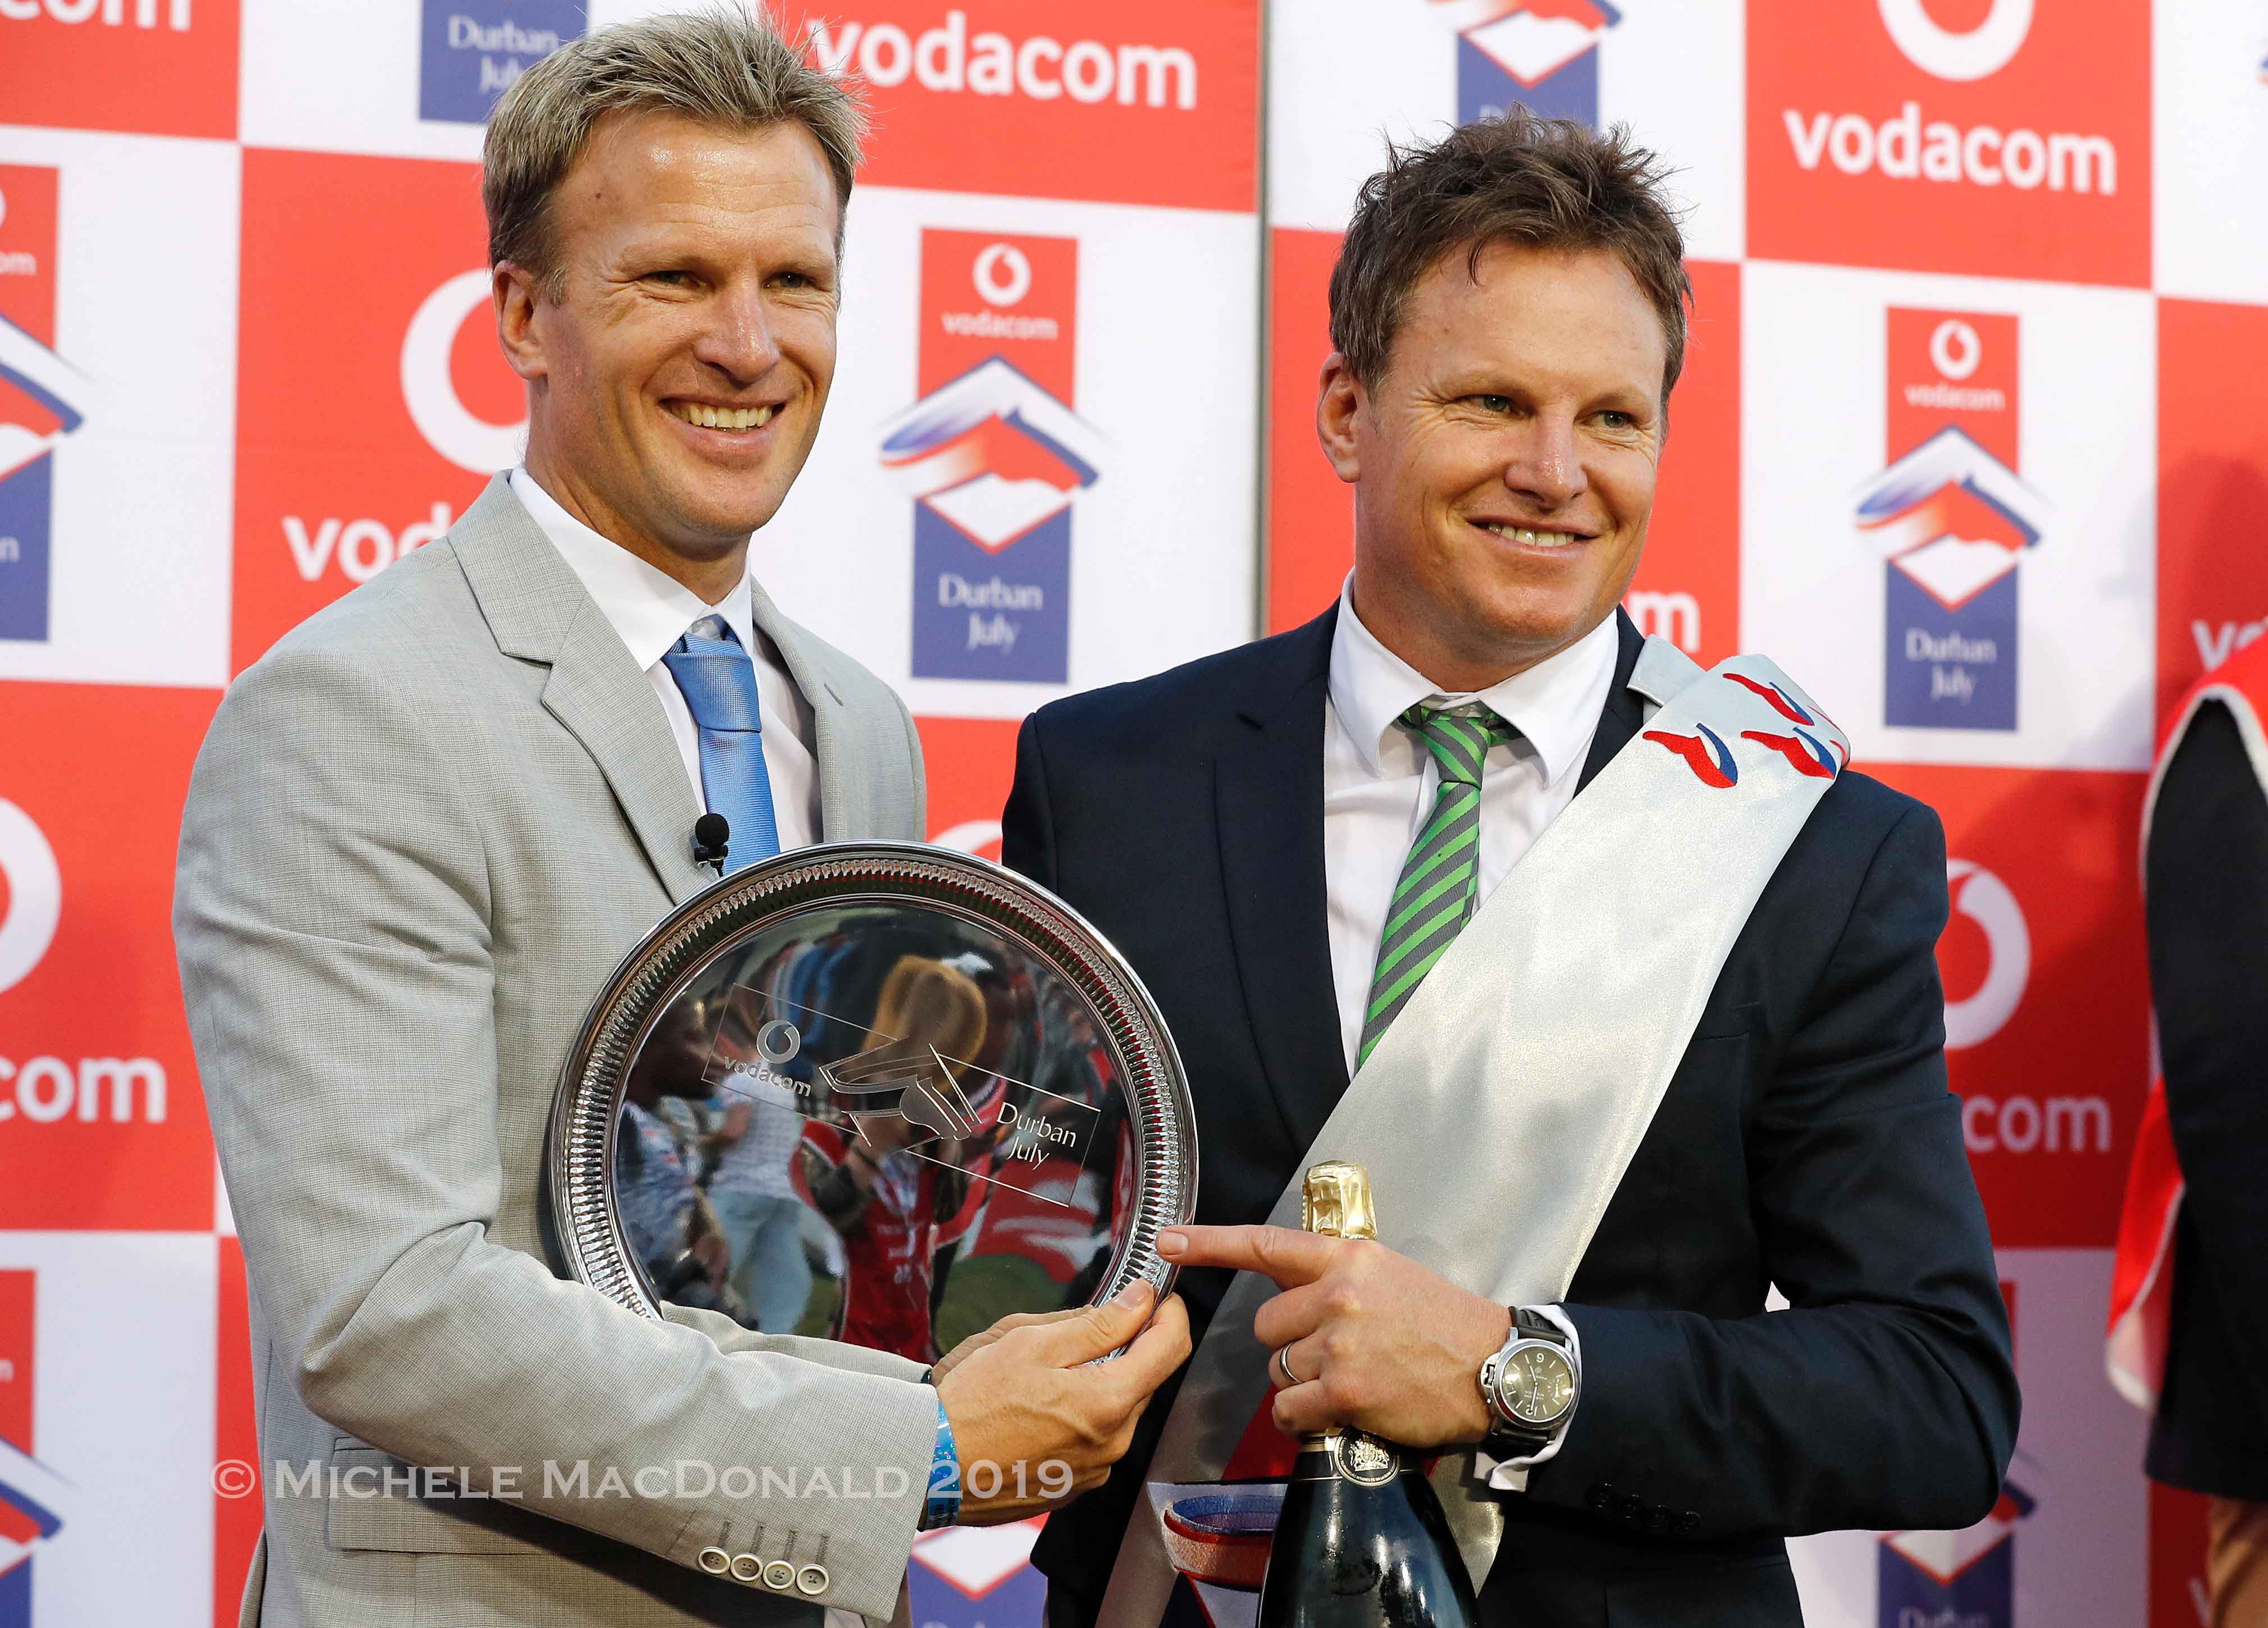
(581, 1221)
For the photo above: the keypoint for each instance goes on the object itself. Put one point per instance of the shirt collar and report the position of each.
(1556, 703)
(648, 609)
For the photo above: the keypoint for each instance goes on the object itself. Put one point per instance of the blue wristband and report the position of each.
(944, 1506)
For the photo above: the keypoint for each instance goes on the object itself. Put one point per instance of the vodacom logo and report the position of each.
(1975, 53)
(35, 901)
(1002, 276)
(1986, 900)
(469, 442)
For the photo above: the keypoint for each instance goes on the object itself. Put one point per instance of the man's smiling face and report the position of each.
(1504, 463)
(678, 376)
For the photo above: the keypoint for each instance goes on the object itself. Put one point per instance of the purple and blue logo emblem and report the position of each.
(43, 398)
(994, 459)
(469, 52)
(1540, 54)
(1954, 1580)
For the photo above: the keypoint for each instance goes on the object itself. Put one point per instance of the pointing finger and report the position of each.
(1286, 1256)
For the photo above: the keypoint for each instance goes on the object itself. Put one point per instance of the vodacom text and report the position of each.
(947, 58)
(1904, 148)
(115, 13)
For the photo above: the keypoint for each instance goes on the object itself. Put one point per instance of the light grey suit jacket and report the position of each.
(423, 830)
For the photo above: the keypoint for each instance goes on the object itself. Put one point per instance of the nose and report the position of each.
(1546, 466)
(739, 340)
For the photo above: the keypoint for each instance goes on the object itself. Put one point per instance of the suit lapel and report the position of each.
(1269, 808)
(846, 798)
(1619, 720)
(539, 612)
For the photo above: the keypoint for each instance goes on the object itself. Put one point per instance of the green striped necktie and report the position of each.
(1440, 880)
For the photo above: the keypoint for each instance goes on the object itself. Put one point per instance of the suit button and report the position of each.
(1689, 1521)
(1630, 1509)
(812, 1580)
(746, 1568)
(715, 1561)
(1658, 1519)
(778, 1574)
(1600, 1499)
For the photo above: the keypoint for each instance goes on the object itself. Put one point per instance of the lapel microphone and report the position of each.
(712, 836)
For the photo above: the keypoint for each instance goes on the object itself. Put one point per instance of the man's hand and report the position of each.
(1377, 1341)
(1033, 1426)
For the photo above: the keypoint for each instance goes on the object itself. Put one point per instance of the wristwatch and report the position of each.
(1530, 1385)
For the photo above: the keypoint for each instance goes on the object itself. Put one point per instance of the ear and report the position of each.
(1340, 400)
(516, 297)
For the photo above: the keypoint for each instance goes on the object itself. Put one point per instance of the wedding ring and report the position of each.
(1284, 1367)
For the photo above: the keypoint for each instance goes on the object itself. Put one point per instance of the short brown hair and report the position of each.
(721, 67)
(1541, 183)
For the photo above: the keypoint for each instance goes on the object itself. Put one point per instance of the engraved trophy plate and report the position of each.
(875, 1092)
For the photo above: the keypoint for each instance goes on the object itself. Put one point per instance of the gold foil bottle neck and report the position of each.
(1336, 1201)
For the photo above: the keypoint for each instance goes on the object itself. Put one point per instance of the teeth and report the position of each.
(723, 418)
(1533, 538)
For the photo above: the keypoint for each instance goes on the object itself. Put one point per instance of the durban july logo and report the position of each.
(1952, 521)
(1541, 54)
(994, 458)
(43, 398)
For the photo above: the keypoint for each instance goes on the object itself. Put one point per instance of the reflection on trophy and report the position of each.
(878, 1093)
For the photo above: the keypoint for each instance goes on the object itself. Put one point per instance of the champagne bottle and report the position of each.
(1362, 1542)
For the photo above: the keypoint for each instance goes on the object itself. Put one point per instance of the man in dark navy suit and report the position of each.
(1286, 837)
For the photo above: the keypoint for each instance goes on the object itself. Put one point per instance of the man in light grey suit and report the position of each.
(427, 825)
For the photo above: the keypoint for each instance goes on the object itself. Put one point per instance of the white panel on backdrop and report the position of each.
(350, 76)
(1345, 75)
(2210, 144)
(2070, 667)
(1162, 551)
(2069, 1545)
(136, 533)
(122, 1377)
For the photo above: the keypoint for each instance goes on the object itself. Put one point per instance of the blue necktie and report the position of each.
(718, 682)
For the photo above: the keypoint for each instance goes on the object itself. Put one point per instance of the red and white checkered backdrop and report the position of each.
(1990, 272)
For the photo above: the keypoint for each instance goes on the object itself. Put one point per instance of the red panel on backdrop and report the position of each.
(971, 763)
(1688, 586)
(18, 1334)
(2046, 983)
(2213, 488)
(27, 248)
(148, 67)
(1310, 539)
(236, 1442)
(1154, 104)
(2009, 141)
(369, 282)
(970, 282)
(100, 1107)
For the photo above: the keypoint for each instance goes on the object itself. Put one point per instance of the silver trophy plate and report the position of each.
(873, 1092)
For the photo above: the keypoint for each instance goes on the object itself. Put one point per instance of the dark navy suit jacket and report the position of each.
(2208, 911)
(1807, 1140)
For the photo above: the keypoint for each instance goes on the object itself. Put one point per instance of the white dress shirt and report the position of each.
(1379, 784)
(651, 611)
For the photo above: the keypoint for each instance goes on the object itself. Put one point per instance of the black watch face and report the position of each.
(1539, 1382)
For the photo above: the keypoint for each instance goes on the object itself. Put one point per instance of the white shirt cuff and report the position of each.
(1510, 1475)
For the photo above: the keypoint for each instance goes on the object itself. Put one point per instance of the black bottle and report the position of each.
(1362, 1542)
